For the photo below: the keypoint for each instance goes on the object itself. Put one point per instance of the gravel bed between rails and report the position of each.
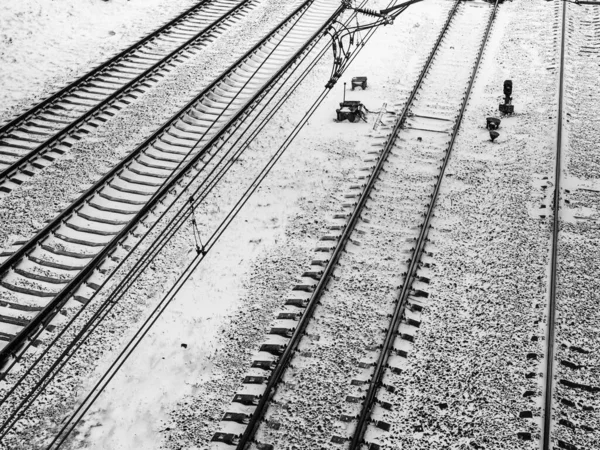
(25, 210)
(54, 406)
(176, 402)
(466, 376)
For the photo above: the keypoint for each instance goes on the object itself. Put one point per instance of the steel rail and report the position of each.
(169, 296)
(63, 295)
(85, 406)
(284, 360)
(547, 431)
(157, 245)
(19, 164)
(380, 367)
(24, 116)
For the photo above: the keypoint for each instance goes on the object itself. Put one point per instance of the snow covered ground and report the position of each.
(577, 420)
(491, 243)
(491, 237)
(45, 44)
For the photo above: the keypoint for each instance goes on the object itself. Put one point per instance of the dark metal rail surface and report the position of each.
(106, 215)
(548, 391)
(382, 363)
(276, 368)
(33, 140)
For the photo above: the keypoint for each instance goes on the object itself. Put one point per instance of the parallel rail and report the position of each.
(381, 366)
(51, 267)
(182, 207)
(548, 390)
(277, 366)
(571, 382)
(33, 140)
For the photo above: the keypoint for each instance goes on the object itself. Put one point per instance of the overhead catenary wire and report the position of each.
(32, 339)
(99, 387)
(60, 298)
(73, 420)
(111, 303)
(287, 22)
(233, 99)
(187, 156)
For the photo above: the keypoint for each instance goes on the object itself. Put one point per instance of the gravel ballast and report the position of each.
(474, 376)
(466, 382)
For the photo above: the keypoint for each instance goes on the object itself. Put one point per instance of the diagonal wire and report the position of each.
(112, 303)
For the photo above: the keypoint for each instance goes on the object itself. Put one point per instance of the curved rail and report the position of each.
(37, 137)
(106, 217)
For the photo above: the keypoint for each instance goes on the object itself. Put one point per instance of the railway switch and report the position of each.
(507, 107)
(353, 110)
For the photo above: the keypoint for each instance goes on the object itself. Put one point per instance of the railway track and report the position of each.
(72, 255)
(34, 139)
(296, 376)
(26, 385)
(571, 382)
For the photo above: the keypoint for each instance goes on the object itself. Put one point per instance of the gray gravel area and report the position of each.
(477, 354)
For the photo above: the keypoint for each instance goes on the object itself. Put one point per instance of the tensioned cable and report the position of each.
(255, 74)
(31, 341)
(108, 300)
(113, 303)
(134, 342)
(74, 419)
(295, 20)
(186, 213)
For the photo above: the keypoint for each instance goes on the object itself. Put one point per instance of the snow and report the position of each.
(463, 382)
(45, 44)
